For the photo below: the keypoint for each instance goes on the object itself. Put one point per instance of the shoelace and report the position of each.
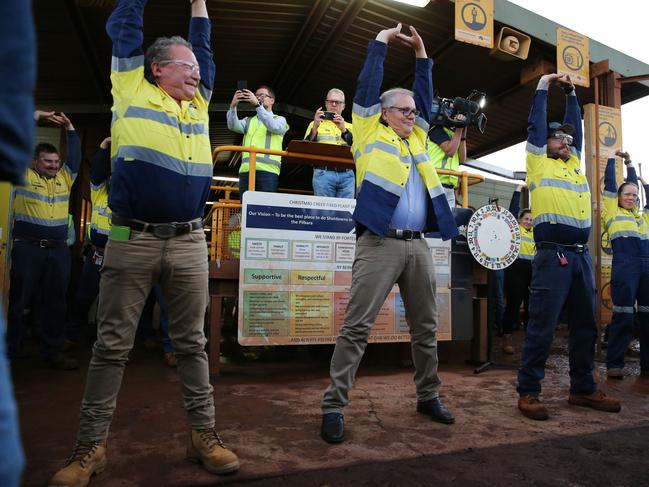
(83, 452)
(211, 438)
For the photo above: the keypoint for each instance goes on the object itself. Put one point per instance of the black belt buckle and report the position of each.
(164, 231)
(43, 243)
(580, 248)
(405, 234)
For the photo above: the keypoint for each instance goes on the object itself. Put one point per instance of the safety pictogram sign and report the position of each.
(572, 56)
(474, 22)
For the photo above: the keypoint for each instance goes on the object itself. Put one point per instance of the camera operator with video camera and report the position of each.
(447, 150)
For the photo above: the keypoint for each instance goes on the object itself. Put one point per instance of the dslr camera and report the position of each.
(444, 111)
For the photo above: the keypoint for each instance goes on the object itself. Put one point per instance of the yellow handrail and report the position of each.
(221, 210)
(466, 179)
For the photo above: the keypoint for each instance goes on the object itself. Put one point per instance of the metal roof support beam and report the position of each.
(347, 17)
(314, 18)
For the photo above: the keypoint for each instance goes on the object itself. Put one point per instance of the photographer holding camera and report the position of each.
(329, 127)
(265, 130)
(447, 150)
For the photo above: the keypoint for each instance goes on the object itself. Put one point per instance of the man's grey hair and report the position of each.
(336, 90)
(387, 98)
(159, 51)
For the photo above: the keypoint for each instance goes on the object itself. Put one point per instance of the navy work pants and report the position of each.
(629, 282)
(517, 290)
(264, 181)
(46, 271)
(496, 298)
(554, 285)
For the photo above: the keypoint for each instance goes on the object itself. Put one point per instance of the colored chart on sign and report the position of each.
(296, 273)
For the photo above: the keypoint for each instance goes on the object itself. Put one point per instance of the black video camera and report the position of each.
(444, 111)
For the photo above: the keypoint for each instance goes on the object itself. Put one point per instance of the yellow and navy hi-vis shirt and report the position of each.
(329, 133)
(383, 159)
(41, 206)
(628, 230)
(440, 160)
(99, 226)
(559, 192)
(160, 150)
(528, 247)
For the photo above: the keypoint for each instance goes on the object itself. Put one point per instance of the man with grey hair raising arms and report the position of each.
(329, 127)
(399, 198)
(160, 147)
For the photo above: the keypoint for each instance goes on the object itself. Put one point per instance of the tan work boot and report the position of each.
(508, 346)
(532, 407)
(206, 447)
(87, 459)
(597, 400)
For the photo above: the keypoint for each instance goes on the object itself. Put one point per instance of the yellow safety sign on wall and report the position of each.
(474, 22)
(572, 56)
(604, 129)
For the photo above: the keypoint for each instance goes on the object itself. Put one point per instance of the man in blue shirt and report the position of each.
(399, 198)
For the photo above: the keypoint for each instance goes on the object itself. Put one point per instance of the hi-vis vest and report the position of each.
(258, 136)
(528, 247)
(43, 203)
(628, 230)
(442, 161)
(328, 132)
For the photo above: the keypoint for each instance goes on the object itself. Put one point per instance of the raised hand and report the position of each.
(624, 155)
(238, 96)
(388, 35)
(62, 120)
(413, 41)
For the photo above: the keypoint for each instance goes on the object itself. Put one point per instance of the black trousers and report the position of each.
(517, 290)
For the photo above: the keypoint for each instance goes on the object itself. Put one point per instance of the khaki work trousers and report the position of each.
(378, 264)
(130, 269)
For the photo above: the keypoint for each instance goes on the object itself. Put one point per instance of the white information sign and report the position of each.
(296, 271)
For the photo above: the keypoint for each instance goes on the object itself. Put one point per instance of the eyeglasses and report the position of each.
(406, 112)
(188, 66)
(564, 137)
(261, 96)
(335, 102)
